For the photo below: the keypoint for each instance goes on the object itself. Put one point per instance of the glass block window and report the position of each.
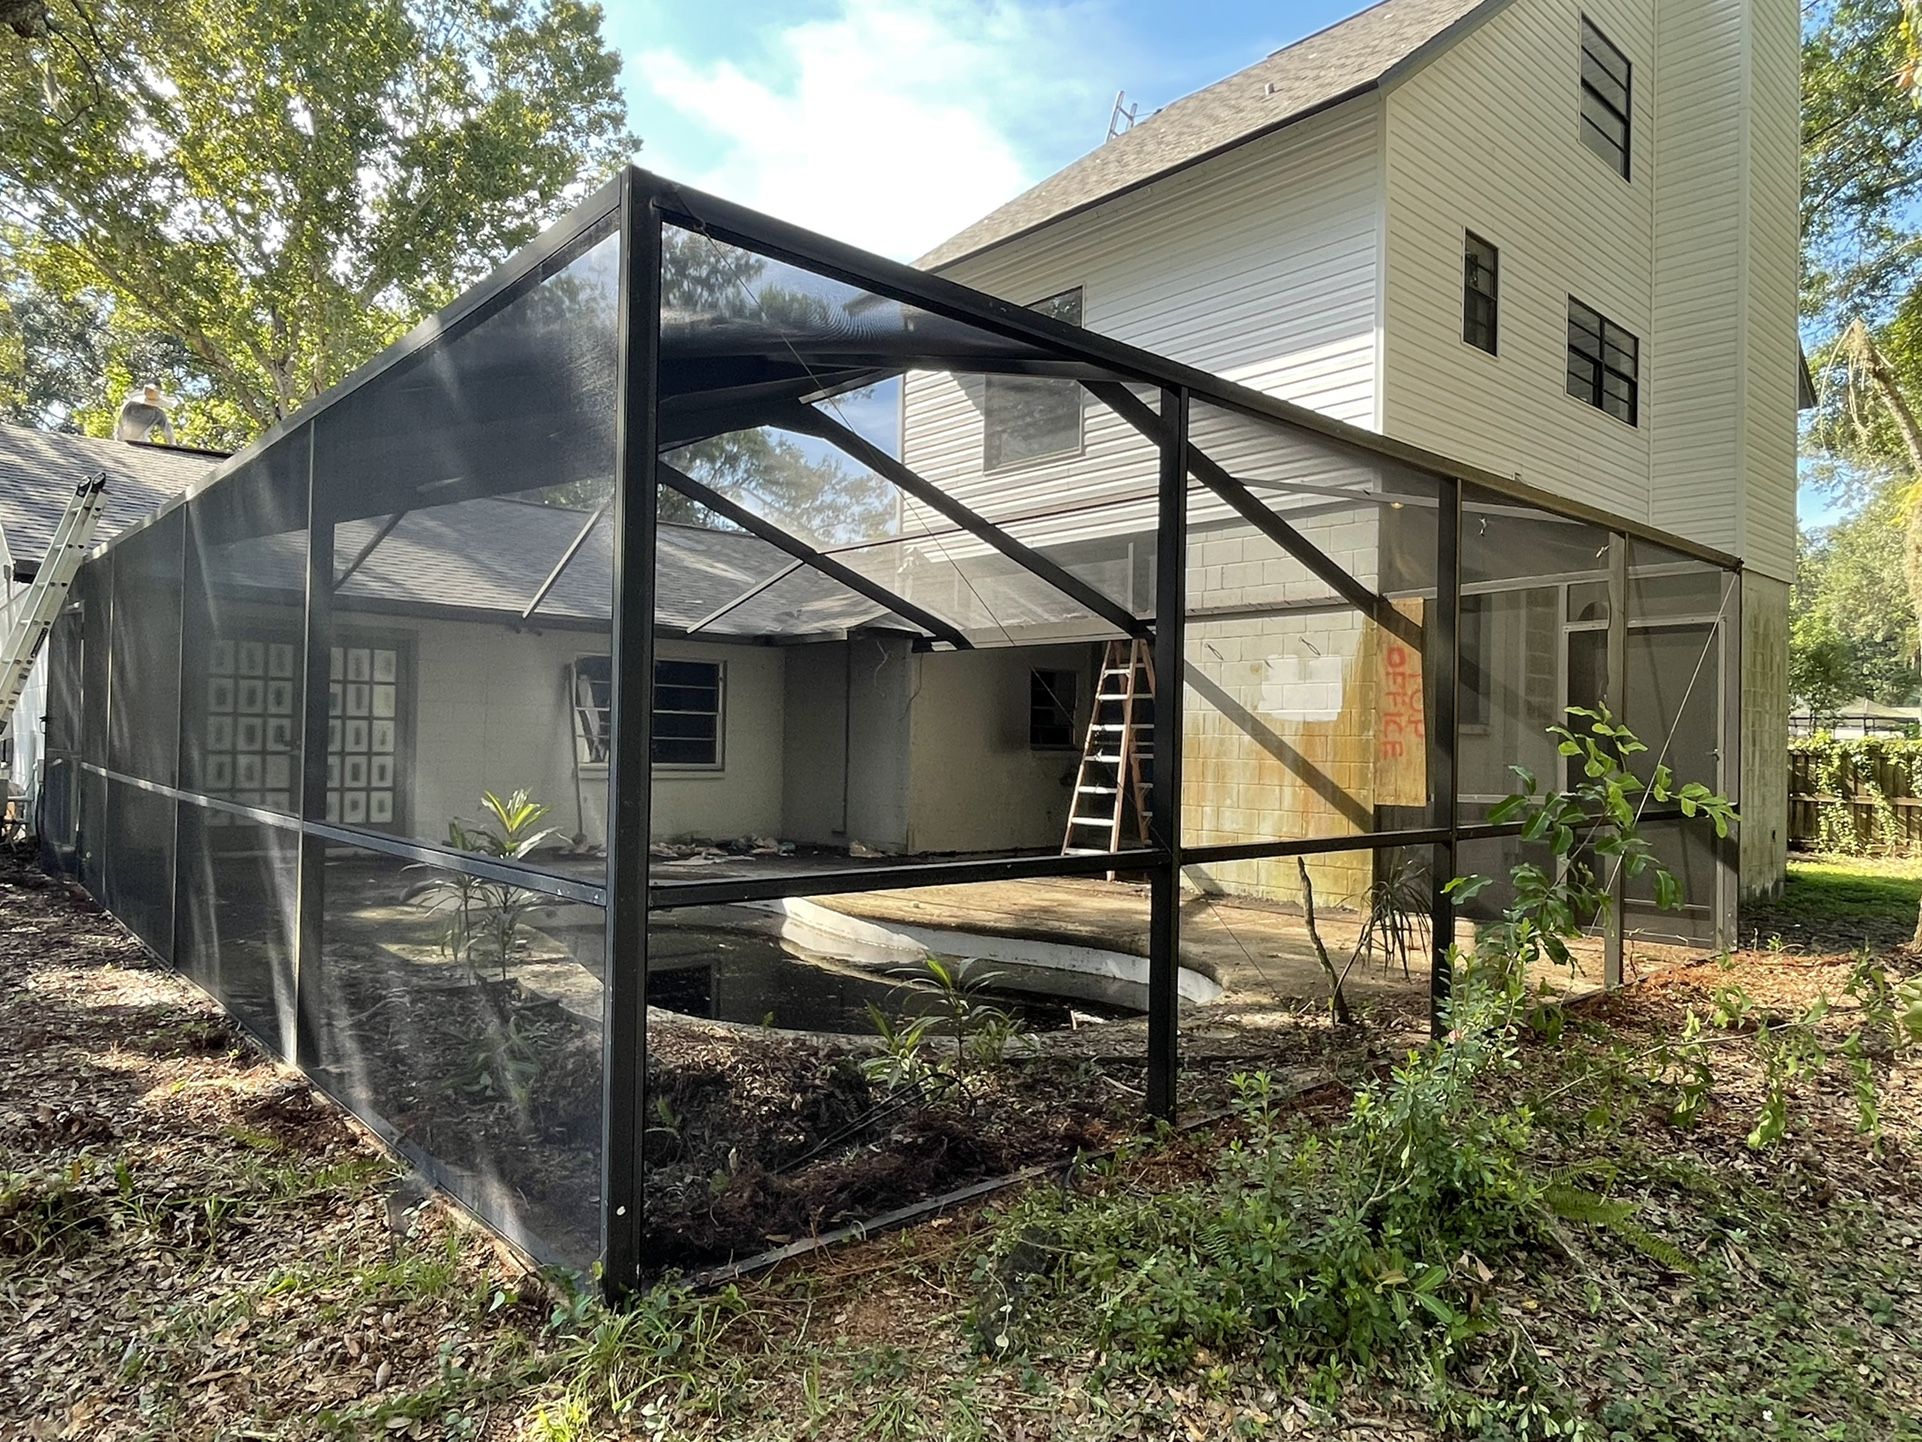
(1605, 98)
(363, 720)
(253, 726)
(1481, 264)
(1027, 418)
(1603, 363)
(687, 713)
(1051, 704)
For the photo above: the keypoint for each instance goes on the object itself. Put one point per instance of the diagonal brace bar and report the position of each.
(567, 557)
(801, 551)
(361, 556)
(741, 600)
(809, 421)
(1132, 409)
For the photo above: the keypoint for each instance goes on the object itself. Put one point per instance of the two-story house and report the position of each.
(1554, 238)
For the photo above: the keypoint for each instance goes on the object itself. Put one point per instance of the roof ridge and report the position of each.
(1323, 68)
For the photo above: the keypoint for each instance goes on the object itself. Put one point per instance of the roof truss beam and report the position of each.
(801, 551)
(810, 421)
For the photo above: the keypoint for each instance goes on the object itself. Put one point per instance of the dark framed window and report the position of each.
(1025, 418)
(1481, 274)
(688, 701)
(1603, 363)
(687, 713)
(1605, 98)
(1052, 696)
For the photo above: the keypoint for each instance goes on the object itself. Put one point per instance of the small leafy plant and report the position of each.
(981, 1032)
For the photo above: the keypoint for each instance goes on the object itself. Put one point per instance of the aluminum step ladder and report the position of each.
(1112, 786)
(31, 615)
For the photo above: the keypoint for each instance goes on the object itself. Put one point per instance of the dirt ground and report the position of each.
(194, 1244)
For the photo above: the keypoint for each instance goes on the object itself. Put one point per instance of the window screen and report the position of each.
(1603, 362)
(687, 713)
(1605, 98)
(1480, 272)
(1051, 705)
(1025, 418)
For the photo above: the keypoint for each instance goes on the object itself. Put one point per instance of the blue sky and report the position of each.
(894, 123)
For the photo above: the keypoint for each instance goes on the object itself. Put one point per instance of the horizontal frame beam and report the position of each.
(666, 896)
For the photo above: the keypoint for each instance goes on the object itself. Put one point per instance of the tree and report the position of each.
(285, 187)
(1851, 630)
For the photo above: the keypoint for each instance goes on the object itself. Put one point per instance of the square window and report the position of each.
(336, 665)
(356, 699)
(360, 664)
(383, 700)
(380, 808)
(247, 733)
(278, 772)
(1604, 363)
(252, 696)
(223, 658)
(383, 736)
(247, 771)
(220, 693)
(280, 734)
(280, 697)
(220, 773)
(280, 659)
(356, 736)
(253, 658)
(353, 807)
(386, 666)
(220, 733)
(355, 771)
(380, 771)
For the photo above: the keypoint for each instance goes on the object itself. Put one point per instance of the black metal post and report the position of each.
(1442, 649)
(1728, 854)
(629, 770)
(317, 650)
(1164, 821)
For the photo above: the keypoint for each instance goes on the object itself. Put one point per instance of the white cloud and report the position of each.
(891, 124)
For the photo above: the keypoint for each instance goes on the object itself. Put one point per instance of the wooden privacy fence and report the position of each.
(1860, 796)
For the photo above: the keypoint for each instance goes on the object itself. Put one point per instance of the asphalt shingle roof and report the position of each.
(1312, 73)
(39, 469)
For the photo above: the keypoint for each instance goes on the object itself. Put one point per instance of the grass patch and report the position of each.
(1838, 903)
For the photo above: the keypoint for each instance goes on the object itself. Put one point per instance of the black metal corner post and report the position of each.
(317, 649)
(1170, 649)
(1614, 922)
(191, 587)
(1443, 648)
(629, 771)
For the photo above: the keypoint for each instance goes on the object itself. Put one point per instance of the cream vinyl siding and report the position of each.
(1259, 265)
(1771, 367)
(1695, 254)
(1485, 137)
(1697, 374)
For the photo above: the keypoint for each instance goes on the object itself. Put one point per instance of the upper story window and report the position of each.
(1481, 266)
(1026, 418)
(1603, 363)
(1605, 98)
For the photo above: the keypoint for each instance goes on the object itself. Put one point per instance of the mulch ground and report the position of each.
(194, 1244)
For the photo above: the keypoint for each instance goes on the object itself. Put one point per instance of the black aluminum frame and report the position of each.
(643, 205)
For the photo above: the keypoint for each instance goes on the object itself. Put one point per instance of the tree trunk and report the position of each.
(1868, 357)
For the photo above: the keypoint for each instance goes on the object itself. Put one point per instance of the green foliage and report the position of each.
(1591, 833)
(1852, 629)
(944, 1044)
(1849, 774)
(1368, 1250)
(1859, 175)
(282, 189)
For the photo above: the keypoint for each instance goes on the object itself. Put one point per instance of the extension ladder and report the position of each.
(1116, 770)
(32, 616)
